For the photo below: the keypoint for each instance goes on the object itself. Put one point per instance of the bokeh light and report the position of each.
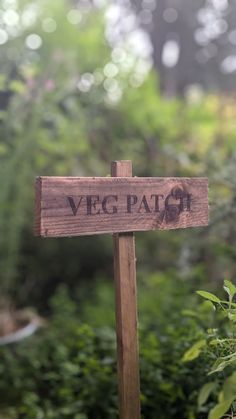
(33, 41)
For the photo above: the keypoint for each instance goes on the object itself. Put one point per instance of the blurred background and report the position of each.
(83, 83)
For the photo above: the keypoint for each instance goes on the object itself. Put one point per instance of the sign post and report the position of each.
(126, 314)
(121, 204)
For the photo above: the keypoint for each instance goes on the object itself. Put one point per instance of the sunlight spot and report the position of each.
(215, 29)
(29, 16)
(220, 5)
(127, 64)
(11, 18)
(129, 22)
(49, 25)
(206, 15)
(6, 4)
(228, 65)
(140, 44)
(3, 37)
(74, 16)
(33, 41)
(113, 13)
(170, 53)
(118, 55)
(110, 70)
(114, 95)
(110, 85)
(85, 83)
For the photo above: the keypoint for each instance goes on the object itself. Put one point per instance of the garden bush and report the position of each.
(220, 346)
(68, 369)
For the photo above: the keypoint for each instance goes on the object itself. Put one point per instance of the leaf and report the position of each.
(190, 313)
(209, 296)
(232, 317)
(229, 387)
(222, 363)
(205, 393)
(193, 352)
(220, 409)
(221, 342)
(230, 288)
(218, 366)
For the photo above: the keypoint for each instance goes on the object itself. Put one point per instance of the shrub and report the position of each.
(219, 344)
(69, 368)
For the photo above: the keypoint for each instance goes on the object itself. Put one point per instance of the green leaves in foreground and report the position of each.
(209, 296)
(195, 350)
(226, 397)
(205, 392)
(220, 409)
(223, 350)
(222, 362)
(229, 288)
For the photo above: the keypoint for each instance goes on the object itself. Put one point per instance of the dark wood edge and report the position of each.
(114, 167)
(38, 202)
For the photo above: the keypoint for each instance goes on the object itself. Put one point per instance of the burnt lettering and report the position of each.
(172, 211)
(174, 203)
(106, 199)
(72, 204)
(92, 201)
(144, 205)
(189, 200)
(131, 200)
(157, 206)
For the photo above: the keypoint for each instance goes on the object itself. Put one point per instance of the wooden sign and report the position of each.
(74, 206)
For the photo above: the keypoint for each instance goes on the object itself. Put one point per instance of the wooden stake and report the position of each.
(126, 314)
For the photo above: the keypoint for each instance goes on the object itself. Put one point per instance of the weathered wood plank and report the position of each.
(73, 206)
(126, 315)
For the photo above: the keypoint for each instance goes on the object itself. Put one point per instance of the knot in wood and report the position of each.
(172, 213)
(177, 192)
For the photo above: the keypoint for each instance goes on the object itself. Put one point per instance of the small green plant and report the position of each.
(219, 346)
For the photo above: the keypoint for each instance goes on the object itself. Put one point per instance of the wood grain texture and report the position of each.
(126, 315)
(73, 206)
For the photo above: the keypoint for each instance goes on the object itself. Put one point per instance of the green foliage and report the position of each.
(64, 371)
(169, 323)
(194, 351)
(205, 392)
(69, 368)
(49, 125)
(209, 296)
(221, 350)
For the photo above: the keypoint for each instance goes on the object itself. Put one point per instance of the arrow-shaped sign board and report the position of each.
(121, 204)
